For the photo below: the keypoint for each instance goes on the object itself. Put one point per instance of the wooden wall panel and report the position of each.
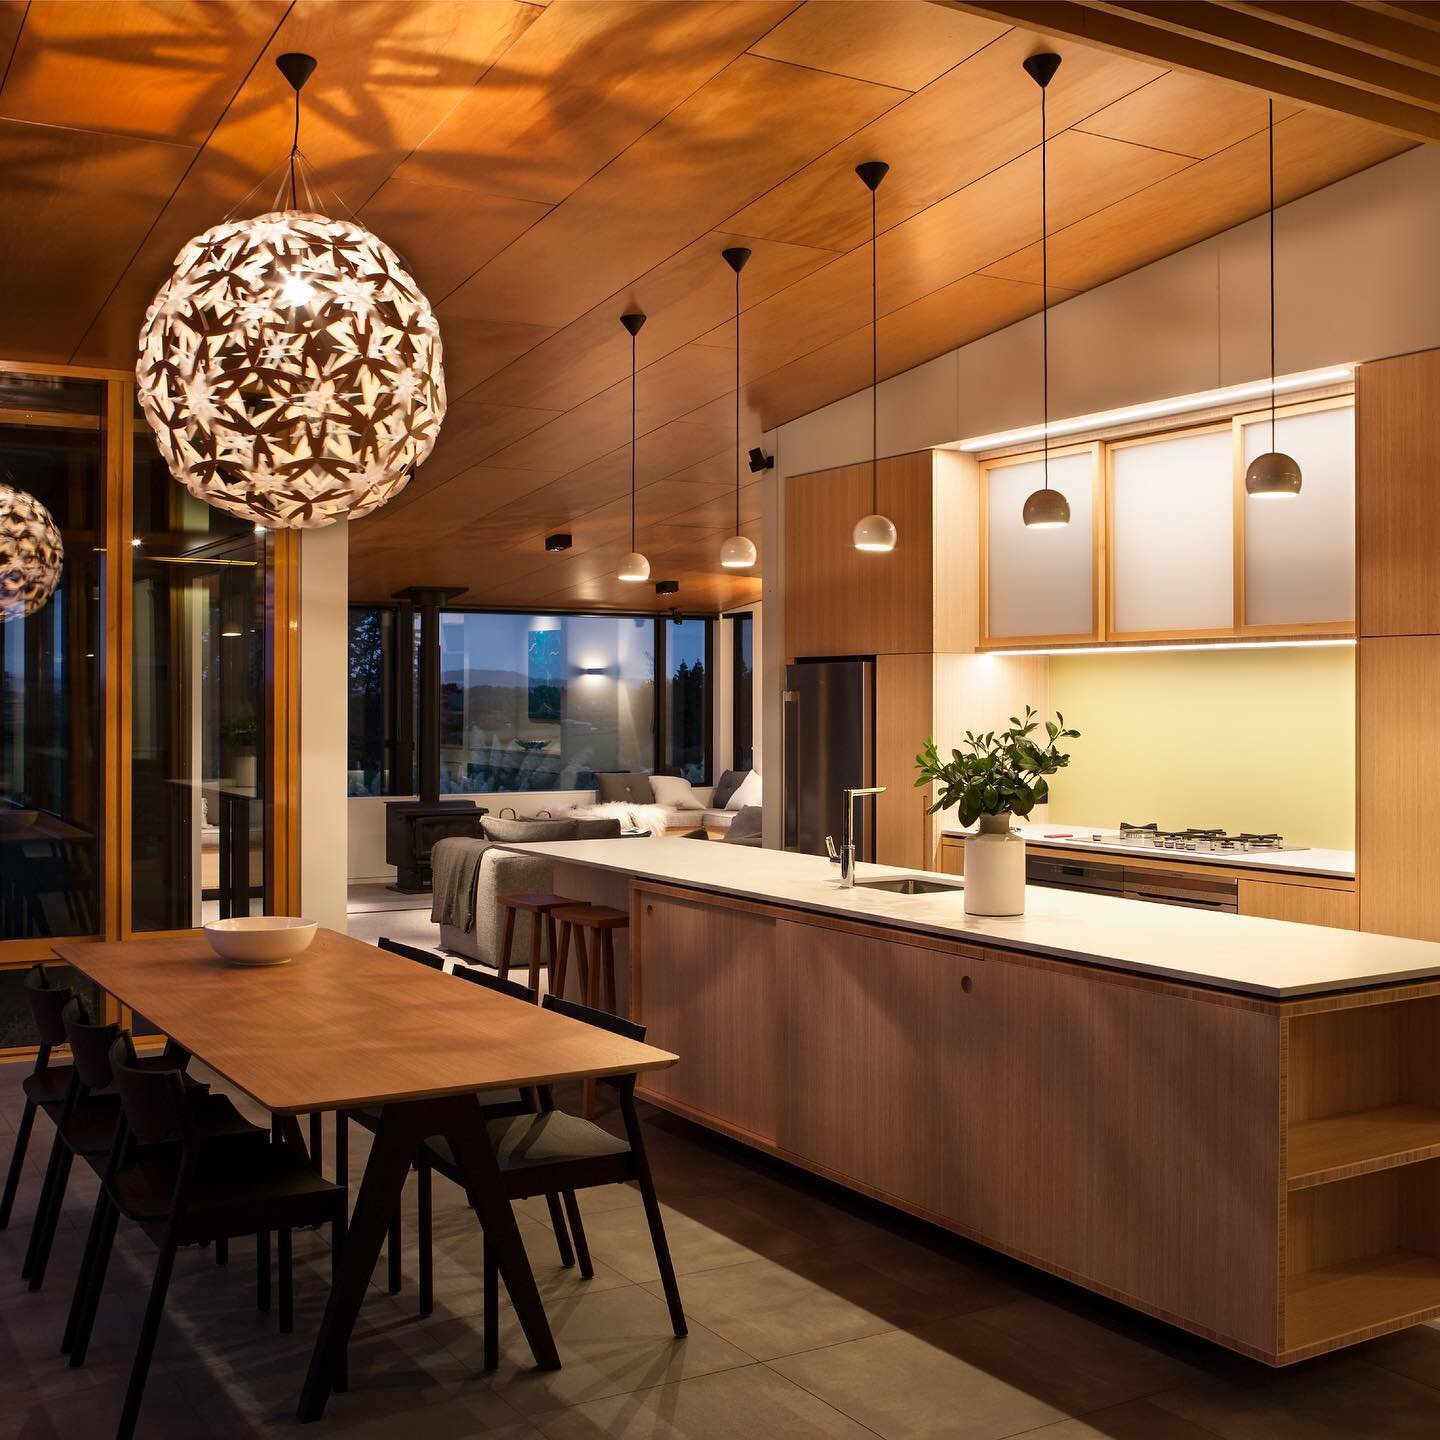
(1398, 777)
(904, 704)
(840, 601)
(1397, 457)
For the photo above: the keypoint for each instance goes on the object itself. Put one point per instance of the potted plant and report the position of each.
(242, 732)
(991, 778)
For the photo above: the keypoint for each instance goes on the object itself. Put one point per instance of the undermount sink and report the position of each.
(910, 885)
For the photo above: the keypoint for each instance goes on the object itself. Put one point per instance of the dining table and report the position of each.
(346, 1026)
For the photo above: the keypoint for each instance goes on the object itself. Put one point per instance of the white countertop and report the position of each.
(1230, 952)
(1332, 864)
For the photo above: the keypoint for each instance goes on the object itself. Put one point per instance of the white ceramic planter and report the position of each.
(994, 869)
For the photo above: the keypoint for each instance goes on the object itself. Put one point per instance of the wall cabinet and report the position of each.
(1164, 543)
(1041, 584)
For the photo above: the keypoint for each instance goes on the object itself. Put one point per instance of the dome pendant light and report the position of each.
(290, 367)
(875, 532)
(634, 567)
(738, 552)
(1273, 475)
(1046, 509)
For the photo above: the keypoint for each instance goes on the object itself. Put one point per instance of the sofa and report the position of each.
(498, 872)
(674, 801)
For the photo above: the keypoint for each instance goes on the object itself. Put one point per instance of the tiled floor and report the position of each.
(811, 1316)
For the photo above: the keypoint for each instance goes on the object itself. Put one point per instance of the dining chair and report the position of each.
(369, 1119)
(91, 1131)
(547, 1151)
(496, 1104)
(46, 1084)
(181, 1189)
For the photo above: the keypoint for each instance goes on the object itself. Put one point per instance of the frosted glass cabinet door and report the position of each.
(1172, 534)
(1300, 550)
(1040, 584)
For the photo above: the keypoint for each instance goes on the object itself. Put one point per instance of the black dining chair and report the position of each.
(90, 1131)
(496, 1104)
(182, 1189)
(369, 1119)
(46, 1085)
(548, 1151)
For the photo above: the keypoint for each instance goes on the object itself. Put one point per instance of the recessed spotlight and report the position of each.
(135, 542)
(560, 540)
(667, 587)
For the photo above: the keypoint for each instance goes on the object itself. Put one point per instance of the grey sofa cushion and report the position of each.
(631, 786)
(745, 827)
(533, 831)
(725, 787)
(599, 829)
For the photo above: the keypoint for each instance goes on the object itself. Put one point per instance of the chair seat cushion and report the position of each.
(523, 1142)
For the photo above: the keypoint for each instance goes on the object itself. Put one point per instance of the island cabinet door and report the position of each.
(867, 1039)
(705, 988)
(1125, 1134)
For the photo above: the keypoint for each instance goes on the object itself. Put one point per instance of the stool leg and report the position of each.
(588, 952)
(607, 941)
(536, 920)
(550, 947)
(507, 942)
(557, 976)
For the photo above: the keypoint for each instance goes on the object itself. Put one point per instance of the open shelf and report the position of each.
(1379, 1292)
(1339, 1147)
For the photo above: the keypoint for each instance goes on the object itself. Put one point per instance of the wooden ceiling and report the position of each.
(544, 168)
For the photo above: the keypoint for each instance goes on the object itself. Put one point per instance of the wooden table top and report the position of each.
(346, 1024)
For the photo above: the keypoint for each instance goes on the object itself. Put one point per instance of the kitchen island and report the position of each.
(1230, 1123)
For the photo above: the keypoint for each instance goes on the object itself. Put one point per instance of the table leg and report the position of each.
(397, 1142)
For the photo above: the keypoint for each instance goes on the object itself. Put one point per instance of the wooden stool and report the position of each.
(596, 957)
(541, 906)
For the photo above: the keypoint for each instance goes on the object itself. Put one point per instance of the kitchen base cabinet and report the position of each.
(1262, 1172)
(1335, 906)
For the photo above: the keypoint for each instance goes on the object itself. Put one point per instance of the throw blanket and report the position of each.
(631, 817)
(453, 866)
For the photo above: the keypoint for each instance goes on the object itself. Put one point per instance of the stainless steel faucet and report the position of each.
(844, 857)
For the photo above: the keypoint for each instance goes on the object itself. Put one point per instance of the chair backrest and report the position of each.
(90, 1046)
(153, 1099)
(484, 978)
(47, 1005)
(601, 1019)
(427, 958)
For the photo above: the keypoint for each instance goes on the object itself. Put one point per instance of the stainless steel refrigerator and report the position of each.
(829, 748)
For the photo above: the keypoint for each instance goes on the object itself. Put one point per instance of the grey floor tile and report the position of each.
(908, 1387)
(1135, 1420)
(753, 1401)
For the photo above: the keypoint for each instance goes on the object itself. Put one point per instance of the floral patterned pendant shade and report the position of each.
(291, 370)
(31, 555)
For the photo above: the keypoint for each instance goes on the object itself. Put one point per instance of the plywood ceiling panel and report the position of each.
(544, 168)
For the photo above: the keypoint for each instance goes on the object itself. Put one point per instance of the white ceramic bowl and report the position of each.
(259, 939)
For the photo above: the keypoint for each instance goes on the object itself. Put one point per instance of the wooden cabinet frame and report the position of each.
(1098, 568)
(117, 662)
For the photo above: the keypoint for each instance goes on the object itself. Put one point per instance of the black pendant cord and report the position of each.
(737, 402)
(874, 359)
(632, 441)
(1272, 275)
(294, 150)
(1044, 293)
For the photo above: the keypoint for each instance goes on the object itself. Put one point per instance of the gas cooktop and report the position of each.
(1152, 837)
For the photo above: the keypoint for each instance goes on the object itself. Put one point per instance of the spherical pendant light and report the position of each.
(31, 555)
(1273, 475)
(738, 553)
(874, 532)
(634, 567)
(290, 367)
(1045, 509)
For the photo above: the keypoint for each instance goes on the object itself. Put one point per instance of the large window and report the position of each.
(742, 691)
(531, 702)
(687, 698)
